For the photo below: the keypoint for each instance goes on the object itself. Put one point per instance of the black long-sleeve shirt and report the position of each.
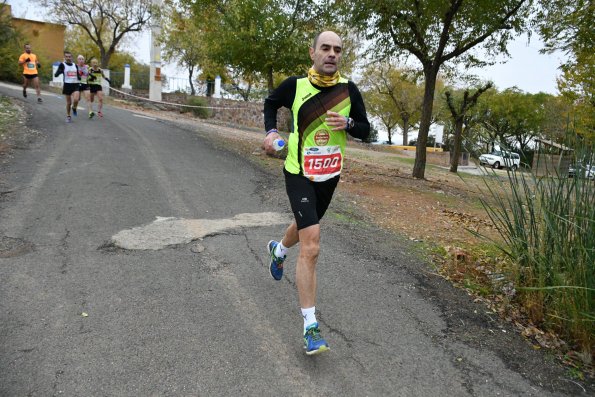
(285, 94)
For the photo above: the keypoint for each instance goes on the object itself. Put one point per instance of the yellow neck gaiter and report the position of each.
(322, 80)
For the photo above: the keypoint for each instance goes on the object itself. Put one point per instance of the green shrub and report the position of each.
(202, 111)
(548, 225)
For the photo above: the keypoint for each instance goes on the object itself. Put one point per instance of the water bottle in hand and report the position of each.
(278, 144)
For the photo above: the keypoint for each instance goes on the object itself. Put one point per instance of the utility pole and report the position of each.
(155, 78)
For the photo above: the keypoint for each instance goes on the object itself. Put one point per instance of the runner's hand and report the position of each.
(336, 121)
(268, 142)
(38, 65)
(28, 60)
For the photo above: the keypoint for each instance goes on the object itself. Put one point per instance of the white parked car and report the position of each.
(501, 159)
(588, 171)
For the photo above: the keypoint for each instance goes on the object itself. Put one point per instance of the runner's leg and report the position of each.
(86, 95)
(91, 99)
(37, 87)
(25, 85)
(305, 272)
(75, 101)
(99, 102)
(291, 236)
(68, 104)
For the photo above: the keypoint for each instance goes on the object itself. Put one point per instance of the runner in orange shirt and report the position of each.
(30, 64)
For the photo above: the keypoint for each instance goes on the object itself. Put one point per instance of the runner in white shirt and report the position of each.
(83, 70)
(72, 79)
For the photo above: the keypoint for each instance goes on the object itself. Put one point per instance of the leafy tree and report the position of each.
(577, 85)
(373, 136)
(106, 22)
(488, 130)
(391, 97)
(78, 42)
(554, 112)
(436, 32)
(525, 120)
(381, 106)
(567, 26)
(259, 37)
(513, 118)
(139, 72)
(399, 87)
(182, 40)
(459, 107)
(248, 86)
(10, 47)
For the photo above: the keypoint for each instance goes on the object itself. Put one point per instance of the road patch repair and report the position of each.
(11, 247)
(164, 232)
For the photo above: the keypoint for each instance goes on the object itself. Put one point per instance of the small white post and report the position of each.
(104, 83)
(217, 93)
(126, 85)
(155, 70)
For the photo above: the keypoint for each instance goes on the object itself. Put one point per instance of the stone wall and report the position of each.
(443, 158)
(247, 114)
(226, 111)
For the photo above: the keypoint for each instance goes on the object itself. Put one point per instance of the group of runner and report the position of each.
(77, 78)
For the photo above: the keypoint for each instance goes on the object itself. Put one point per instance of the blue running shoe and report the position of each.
(276, 265)
(74, 112)
(314, 343)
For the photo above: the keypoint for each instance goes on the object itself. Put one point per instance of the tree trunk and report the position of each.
(390, 135)
(190, 73)
(105, 55)
(103, 58)
(406, 131)
(270, 79)
(246, 96)
(456, 149)
(419, 167)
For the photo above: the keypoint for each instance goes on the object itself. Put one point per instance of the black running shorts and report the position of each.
(69, 88)
(309, 200)
(29, 76)
(83, 87)
(95, 88)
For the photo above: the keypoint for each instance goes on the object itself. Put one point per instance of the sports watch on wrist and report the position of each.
(350, 122)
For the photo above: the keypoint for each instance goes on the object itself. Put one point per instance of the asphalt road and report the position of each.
(204, 318)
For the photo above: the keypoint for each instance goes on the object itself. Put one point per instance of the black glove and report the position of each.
(38, 65)
(92, 77)
(28, 60)
(108, 80)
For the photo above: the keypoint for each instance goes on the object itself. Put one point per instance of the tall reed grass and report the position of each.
(548, 225)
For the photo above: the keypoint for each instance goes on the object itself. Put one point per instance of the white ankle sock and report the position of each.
(280, 250)
(309, 316)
